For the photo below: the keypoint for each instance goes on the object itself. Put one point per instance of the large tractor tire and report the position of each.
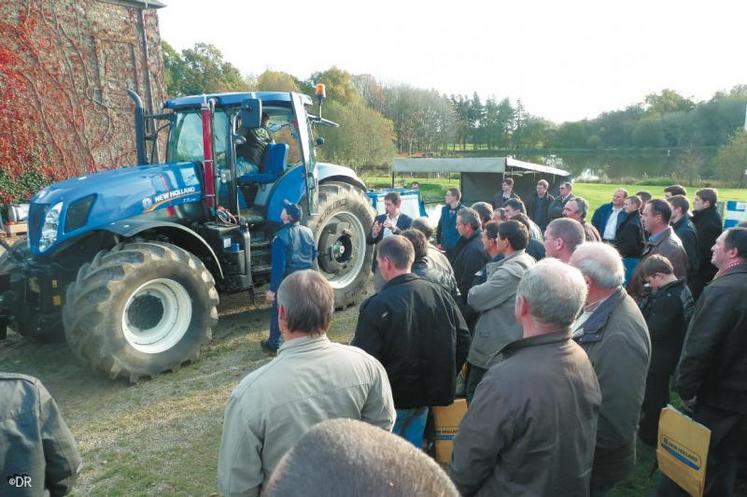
(10, 263)
(344, 217)
(140, 309)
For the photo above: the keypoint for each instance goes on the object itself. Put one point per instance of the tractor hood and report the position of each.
(72, 207)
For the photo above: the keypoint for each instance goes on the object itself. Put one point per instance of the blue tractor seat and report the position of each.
(273, 164)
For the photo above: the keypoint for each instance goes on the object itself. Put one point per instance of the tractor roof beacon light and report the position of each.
(321, 94)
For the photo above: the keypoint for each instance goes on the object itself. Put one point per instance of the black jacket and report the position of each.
(538, 209)
(438, 274)
(629, 238)
(414, 328)
(685, 229)
(469, 259)
(403, 222)
(713, 365)
(667, 312)
(709, 226)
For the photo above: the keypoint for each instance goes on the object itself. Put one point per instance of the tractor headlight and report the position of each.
(51, 225)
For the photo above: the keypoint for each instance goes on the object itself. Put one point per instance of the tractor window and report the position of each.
(283, 130)
(186, 140)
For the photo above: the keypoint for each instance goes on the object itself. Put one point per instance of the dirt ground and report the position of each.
(159, 436)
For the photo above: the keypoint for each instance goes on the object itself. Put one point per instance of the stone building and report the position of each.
(65, 68)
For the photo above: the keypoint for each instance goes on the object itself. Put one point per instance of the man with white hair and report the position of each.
(613, 332)
(531, 427)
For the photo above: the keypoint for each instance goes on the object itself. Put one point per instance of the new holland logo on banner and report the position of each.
(682, 450)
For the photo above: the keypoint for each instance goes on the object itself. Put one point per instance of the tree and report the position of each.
(364, 137)
(690, 163)
(339, 85)
(731, 160)
(200, 70)
(276, 81)
(668, 101)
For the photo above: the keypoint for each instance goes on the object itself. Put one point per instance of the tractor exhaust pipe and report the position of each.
(139, 126)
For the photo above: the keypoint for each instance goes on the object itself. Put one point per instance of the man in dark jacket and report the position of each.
(531, 427)
(538, 205)
(607, 218)
(630, 239)
(293, 249)
(667, 312)
(709, 226)
(685, 230)
(662, 240)
(37, 450)
(447, 235)
(711, 376)
(507, 192)
(613, 333)
(469, 258)
(429, 269)
(414, 328)
(565, 193)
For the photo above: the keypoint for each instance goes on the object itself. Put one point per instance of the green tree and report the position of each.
(731, 160)
(364, 137)
(668, 101)
(339, 85)
(276, 81)
(200, 70)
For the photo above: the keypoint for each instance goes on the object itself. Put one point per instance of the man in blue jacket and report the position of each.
(447, 234)
(609, 217)
(293, 249)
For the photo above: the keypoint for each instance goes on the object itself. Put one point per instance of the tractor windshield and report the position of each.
(185, 144)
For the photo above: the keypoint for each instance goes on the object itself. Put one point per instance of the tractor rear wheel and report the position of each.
(140, 309)
(344, 217)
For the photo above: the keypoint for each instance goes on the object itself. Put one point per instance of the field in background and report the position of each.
(433, 189)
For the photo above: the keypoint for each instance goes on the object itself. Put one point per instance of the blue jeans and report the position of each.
(410, 425)
(275, 339)
(630, 263)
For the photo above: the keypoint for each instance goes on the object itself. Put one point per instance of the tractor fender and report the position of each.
(179, 235)
(332, 172)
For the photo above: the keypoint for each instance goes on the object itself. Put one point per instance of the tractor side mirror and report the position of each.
(251, 113)
(319, 141)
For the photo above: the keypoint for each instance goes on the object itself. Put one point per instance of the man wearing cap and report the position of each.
(293, 249)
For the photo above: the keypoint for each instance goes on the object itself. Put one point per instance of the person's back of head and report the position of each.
(308, 300)
(397, 250)
(569, 230)
(344, 457)
(419, 243)
(515, 204)
(423, 224)
(601, 263)
(516, 231)
(554, 291)
(485, 211)
(676, 190)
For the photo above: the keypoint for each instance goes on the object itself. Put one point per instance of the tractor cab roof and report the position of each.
(233, 99)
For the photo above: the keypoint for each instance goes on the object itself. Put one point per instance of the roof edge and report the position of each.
(138, 4)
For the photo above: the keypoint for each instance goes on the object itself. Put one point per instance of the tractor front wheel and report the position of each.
(140, 309)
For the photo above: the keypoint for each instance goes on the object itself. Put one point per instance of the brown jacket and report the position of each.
(531, 427)
(668, 245)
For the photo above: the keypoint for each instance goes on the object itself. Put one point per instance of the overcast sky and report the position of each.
(566, 60)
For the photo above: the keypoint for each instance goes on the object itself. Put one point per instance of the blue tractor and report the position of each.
(127, 265)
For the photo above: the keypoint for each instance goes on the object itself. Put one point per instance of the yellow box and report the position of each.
(446, 420)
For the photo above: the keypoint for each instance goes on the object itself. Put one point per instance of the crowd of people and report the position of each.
(563, 335)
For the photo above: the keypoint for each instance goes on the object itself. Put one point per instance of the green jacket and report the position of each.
(36, 446)
(311, 380)
(494, 300)
(616, 340)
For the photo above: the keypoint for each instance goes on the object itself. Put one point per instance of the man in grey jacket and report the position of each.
(496, 326)
(311, 380)
(37, 450)
(614, 334)
(531, 427)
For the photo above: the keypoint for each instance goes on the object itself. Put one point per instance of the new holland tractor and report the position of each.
(127, 265)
